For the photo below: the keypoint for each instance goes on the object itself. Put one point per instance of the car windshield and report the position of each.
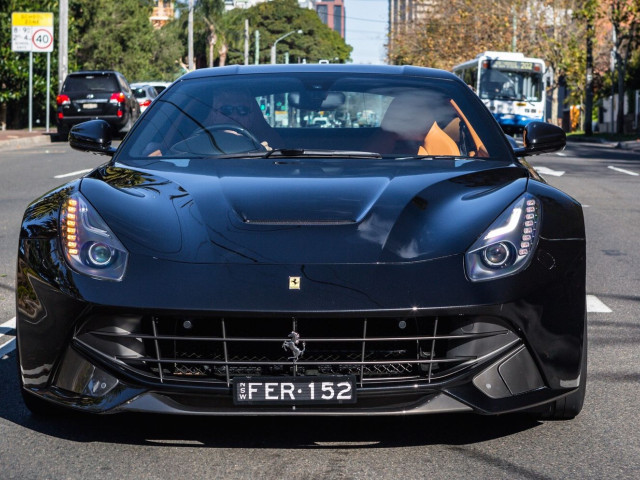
(296, 113)
(140, 92)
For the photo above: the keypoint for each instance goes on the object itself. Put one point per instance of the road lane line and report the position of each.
(622, 170)
(10, 345)
(8, 325)
(595, 305)
(73, 174)
(548, 171)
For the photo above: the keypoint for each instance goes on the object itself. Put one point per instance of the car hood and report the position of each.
(302, 211)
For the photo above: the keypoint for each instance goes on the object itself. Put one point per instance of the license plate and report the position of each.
(294, 390)
(89, 106)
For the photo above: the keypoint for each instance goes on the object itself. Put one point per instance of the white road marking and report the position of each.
(595, 305)
(5, 328)
(548, 171)
(622, 170)
(73, 174)
(561, 154)
(8, 347)
(8, 325)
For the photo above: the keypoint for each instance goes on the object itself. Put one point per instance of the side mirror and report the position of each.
(92, 136)
(541, 137)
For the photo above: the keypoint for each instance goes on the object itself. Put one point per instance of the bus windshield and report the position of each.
(504, 81)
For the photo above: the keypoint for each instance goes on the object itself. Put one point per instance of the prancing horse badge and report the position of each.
(294, 283)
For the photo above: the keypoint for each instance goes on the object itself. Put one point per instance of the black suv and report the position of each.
(96, 94)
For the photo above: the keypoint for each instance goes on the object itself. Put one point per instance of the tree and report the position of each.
(209, 35)
(624, 16)
(278, 17)
(547, 29)
(119, 36)
(14, 68)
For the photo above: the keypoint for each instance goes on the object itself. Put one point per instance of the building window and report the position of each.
(337, 19)
(323, 13)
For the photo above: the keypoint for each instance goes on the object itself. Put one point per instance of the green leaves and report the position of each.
(119, 36)
(278, 17)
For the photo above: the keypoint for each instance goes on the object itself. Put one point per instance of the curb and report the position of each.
(26, 141)
(630, 145)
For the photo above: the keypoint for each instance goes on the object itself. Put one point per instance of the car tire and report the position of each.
(127, 126)
(570, 405)
(63, 134)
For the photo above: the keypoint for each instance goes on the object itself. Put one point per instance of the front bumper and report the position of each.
(116, 122)
(65, 359)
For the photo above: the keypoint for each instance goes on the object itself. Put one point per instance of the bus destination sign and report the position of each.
(516, 65)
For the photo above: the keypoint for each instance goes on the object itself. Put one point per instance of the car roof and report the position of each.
(94, 72)
(320, 68)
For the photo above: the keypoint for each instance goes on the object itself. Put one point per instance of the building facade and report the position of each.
(332, 14)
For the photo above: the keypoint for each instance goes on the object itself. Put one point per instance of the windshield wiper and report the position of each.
(436, 157)
(303, 152)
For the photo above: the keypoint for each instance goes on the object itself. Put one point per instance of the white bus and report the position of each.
(510, 84)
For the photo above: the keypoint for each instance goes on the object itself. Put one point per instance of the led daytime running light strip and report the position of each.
(530, 224)
(69, 231)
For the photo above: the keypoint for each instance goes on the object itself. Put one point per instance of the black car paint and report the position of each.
(215, 222)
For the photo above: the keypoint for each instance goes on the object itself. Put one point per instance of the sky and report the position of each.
(366, 29)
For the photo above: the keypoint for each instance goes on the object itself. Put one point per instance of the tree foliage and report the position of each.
(119, 36)
(279, 17)
(209, 38)
(14, 66)
(555, 30)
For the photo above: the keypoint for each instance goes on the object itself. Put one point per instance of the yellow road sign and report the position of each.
(32, 19)
(31, 32)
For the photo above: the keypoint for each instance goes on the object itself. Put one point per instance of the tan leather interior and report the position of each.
(437, 142)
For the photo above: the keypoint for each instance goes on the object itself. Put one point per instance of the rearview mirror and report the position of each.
(541, 137)
(92, 136)
(316, 100)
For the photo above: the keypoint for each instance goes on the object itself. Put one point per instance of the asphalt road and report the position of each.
(602, 442)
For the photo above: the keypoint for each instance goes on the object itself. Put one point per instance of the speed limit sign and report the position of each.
(32, 32)
(42, 39)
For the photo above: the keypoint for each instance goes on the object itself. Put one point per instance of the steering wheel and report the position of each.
(236, 129)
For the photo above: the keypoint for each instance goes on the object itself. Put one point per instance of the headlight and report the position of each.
(507, 245)
(88, 243)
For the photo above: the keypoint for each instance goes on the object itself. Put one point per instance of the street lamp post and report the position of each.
(273, 47)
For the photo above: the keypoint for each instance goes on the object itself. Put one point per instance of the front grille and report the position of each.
(215, 350)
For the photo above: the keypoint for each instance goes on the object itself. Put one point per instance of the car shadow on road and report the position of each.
(257, 432)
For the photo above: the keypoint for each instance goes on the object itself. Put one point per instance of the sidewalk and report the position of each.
(633, 145)
(24, 138)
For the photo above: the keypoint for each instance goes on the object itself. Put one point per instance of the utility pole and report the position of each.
(588, 101)
(514, 39)
(63, 43)
(614, 54)
(246, 41)
(257, 47)
(192, 67)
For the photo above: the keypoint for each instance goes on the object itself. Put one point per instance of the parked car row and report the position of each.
(106, 95)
